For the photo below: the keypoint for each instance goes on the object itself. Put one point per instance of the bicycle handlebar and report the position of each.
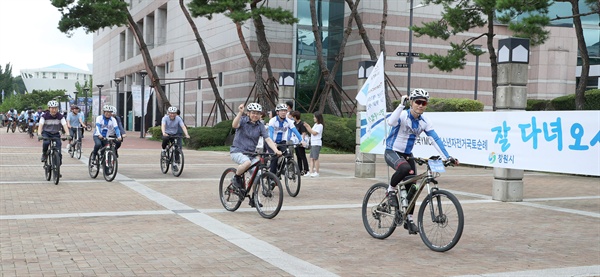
(49, 138)
(421, 161)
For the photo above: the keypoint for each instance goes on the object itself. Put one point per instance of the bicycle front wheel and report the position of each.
(48, 168)
(71, 150)
(78, 150)
(292, 177)
(164, 162)
(55, 167)
(227, 192)
(378, 216)
(177, 162)
(110, 165)
(441, 221)
(93, 166)
(268, 195)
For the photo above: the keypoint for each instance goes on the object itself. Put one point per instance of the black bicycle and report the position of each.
(106, 158)
(75, 147)
(52, 163)
(263, 188)
(288, 168)
(172, 156)
(12, 125)
(440, 220)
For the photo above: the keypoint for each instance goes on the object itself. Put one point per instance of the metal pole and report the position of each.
(86, 90)
(75, 97)
(476, 75)
(117, 82)
(409, 59)
(143, 74)
(100, 99)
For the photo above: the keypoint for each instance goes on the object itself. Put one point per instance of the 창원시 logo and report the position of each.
(492, 157)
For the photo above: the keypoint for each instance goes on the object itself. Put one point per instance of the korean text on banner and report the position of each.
(372, 95)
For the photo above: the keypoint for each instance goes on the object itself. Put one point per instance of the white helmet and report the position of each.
(172, 109)
(113, 109)
(107, 108)
(52, 104)
(254, 107)
(281, 107)
(419, 93)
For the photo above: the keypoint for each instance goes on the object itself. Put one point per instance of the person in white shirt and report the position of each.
(316, 142)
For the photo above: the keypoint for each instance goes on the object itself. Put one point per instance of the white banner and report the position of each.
(557, 141)
(136, 95)
(372, 95)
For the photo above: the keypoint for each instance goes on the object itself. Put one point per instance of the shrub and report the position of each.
(156, 132)
(538, 105)
(450, 105)
(567, 102)
(207, 136)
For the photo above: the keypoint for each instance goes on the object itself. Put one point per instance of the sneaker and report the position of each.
(43, 158)
(411, 227)
(175, 168)
(251, 203)
(392, 198)
(163, 153)
(316, 174)
(306, 174)
(239, 184)
(117, 153)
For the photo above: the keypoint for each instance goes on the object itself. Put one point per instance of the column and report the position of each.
(365, 162)
(511, 95)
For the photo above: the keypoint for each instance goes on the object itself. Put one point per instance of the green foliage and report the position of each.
(33, 100)
(538, 105)
(239, 11)
(567, 102)
(450, 105)
(156, 132)
(91, 15)
(207, 136)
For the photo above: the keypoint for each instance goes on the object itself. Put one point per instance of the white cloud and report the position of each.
(31, 39)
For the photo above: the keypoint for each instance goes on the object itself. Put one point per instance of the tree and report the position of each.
(6, 80)
(462, 16)
(583, 52)
(239, 12)
(93, 15)
(211, 79)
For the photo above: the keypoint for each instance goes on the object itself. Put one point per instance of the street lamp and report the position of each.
(409, 59)
(75, 93)
(117, 82)
(477, 47)
(100, 99)
(143, 73)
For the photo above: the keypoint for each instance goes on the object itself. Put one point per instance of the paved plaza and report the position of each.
(146, 223)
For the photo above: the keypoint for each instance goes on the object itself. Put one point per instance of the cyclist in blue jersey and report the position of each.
(169, 126)
(280, 127)
(407, 125)
(75, 122)
(105, 126)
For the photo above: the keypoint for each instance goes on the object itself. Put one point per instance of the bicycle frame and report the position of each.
(422, 180)
(259, 166)
(287, 155)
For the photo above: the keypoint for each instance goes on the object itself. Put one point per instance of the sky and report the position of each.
(29, 38)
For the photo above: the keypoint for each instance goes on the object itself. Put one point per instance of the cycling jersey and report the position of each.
(279, 127)
(52, 124)
(106, 126)
(406, 130)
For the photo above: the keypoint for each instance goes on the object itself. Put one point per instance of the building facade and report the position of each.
(177, 56)
(56, 77)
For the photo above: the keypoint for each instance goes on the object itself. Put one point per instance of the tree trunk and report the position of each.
(585, 58)
(137, 34)
(493, 57)
(265, 52)
(218, 100)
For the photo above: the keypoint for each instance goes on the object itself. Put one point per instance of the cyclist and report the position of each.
(121, 129)
(105, 125)
(249, 129)
(50, 124)
(279, 126)
(75, 121)
(169, 126)
(407, 125)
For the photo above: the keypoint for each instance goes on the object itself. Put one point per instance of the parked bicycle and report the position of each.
(288, 168)
(75, 147)
(107, 159)
(440, 219)
(263, 188)
(172, 156)
(52, 163)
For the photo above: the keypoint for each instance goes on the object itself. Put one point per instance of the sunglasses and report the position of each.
(421, 102)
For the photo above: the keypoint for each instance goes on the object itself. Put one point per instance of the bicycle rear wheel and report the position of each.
(292, 178)
(268, 195)
(110, 166)
(378, 216)
(48, 168)
(71, 150)
(228, 194)
(441, 221)
(55, 168)
(93, 166)
(164, 162)
(78, 150)
(177, 162)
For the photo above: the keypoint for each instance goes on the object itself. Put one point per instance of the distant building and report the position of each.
(60, 76)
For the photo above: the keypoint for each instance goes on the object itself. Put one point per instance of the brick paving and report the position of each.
(146, 223)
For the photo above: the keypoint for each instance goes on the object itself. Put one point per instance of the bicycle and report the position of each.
(288, 167)
(22, 126)
(12, 125)
(107, 155)
(52, 163)
(266, 196)
(75, 150)
(30, 131)
(173, 156)
(440, 219)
